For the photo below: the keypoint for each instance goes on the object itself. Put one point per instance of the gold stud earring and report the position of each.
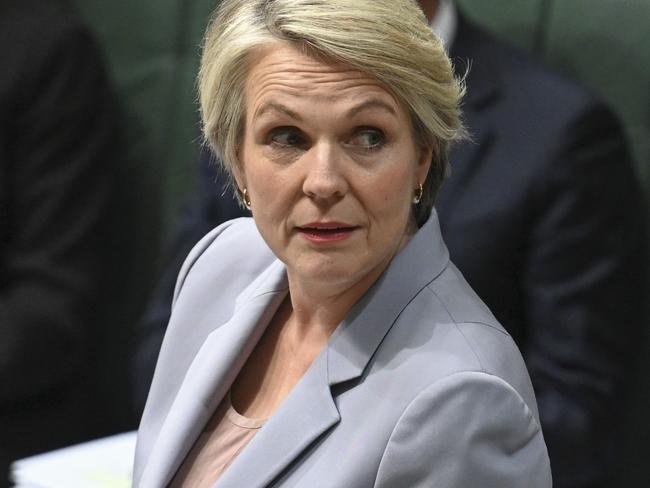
(245, 198)
(417, 194)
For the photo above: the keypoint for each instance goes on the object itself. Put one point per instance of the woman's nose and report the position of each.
(324, 179)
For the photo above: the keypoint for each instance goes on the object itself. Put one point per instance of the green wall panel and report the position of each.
(608, 50)
(153, 48)
(513, 20)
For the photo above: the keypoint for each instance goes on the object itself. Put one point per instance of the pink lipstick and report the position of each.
(326, 232)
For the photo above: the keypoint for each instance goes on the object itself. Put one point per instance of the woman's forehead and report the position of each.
(286, 71)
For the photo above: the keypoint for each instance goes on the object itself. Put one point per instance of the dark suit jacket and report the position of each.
(541, 213)
(57, 154)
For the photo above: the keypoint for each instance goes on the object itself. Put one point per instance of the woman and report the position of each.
(329, 341)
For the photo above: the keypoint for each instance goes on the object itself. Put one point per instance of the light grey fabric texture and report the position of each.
(418, 387)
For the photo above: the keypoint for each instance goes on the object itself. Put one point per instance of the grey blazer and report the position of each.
(418, 387)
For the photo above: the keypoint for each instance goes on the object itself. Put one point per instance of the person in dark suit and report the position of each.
(542, 214)
(57, 159)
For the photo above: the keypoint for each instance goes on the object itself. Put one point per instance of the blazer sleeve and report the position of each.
(470, 429)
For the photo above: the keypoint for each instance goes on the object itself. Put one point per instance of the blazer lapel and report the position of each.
(310, 412)
(355, 341)
(305, 415)
(211, 373)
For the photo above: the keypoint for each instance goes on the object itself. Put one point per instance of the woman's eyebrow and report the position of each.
(365, 105)
(276, 107)
(371, 104)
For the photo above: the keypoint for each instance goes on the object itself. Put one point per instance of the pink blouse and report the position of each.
(223, 438)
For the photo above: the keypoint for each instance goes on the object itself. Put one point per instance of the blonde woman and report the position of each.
(329, 341)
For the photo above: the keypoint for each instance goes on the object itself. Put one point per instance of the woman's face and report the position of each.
(330, 165)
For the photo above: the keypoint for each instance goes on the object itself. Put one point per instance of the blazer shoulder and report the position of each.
(234, 248)
(480, 341)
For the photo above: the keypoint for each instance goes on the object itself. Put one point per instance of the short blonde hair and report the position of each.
(386, 39)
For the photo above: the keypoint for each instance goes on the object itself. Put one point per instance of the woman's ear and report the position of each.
(238, 176)
(425, 160)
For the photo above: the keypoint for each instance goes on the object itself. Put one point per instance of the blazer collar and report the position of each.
(211, 374)
(355, 341)
(309, 411)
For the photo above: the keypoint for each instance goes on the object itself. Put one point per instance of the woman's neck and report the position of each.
(317, 308)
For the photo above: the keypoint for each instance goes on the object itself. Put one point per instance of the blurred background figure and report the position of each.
(58, 240)
(546, 192)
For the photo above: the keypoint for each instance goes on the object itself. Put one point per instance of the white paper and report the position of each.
(102, 463)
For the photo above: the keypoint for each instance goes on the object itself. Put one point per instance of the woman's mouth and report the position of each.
(326, 232)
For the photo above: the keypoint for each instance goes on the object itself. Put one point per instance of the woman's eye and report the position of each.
(286, 137)
(368, 139)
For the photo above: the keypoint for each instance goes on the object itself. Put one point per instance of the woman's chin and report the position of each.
(331, 275)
